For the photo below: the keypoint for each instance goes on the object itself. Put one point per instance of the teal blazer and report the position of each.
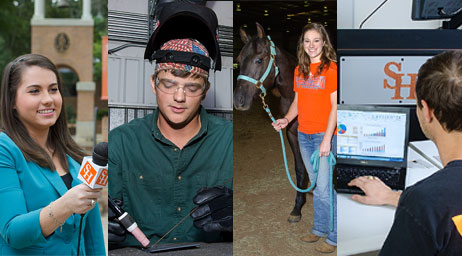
(25, 189)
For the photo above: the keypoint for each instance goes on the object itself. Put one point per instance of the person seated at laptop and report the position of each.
(428, 218)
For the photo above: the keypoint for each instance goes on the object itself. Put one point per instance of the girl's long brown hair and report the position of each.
(59, 139)
(327, 55)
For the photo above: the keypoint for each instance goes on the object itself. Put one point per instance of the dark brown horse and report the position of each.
(253, 61)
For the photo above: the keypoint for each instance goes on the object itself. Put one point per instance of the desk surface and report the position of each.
(206, 249)
(363, 228)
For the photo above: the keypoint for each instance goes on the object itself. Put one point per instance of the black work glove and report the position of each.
(215, 212)
(116, 232)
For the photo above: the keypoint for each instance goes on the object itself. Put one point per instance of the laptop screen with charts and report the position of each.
(372, 136)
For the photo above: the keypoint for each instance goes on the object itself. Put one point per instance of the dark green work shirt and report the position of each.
(157, 181)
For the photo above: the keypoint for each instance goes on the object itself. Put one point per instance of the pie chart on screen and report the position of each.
(341, 128)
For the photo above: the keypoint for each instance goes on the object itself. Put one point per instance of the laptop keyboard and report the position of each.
(391, 177)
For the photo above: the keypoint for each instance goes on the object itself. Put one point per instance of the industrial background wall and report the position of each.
(130, 94)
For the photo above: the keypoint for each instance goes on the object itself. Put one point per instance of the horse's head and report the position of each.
(253, 62)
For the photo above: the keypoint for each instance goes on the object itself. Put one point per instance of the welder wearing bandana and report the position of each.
(178, 158)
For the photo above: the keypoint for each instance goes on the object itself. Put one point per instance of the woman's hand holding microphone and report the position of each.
(81, 198)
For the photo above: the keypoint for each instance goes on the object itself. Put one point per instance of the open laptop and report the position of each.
(371, 141)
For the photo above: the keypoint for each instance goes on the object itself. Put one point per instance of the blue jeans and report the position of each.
(321, 195)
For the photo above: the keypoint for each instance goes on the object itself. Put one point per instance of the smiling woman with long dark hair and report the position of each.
(39, 162)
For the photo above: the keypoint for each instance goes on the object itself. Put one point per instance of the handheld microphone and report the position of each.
(94, 170)
(128, 223)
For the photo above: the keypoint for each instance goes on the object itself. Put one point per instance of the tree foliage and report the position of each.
(99, 13)
(15, 29)
(15, 32)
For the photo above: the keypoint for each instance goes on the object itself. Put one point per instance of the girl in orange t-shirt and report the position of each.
(315, 104)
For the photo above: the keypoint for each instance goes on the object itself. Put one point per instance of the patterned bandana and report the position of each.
(184, 45)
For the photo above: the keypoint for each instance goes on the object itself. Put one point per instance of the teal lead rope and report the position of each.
(315, 163)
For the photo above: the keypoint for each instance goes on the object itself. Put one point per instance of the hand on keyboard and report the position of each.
(376, 192)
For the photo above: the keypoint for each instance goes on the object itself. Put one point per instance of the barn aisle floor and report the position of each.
(263, 197)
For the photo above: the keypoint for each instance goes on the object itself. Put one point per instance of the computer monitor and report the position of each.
(435, 9)
(372, 135)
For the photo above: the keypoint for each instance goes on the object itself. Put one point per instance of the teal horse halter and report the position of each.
(259, 83)
(314, 160)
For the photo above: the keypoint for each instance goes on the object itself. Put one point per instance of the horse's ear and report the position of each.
(260, 30)
(244, 37)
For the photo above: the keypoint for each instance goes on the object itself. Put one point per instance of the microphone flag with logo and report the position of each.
(94, 169)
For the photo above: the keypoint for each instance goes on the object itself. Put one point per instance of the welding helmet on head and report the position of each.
(178, 20)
